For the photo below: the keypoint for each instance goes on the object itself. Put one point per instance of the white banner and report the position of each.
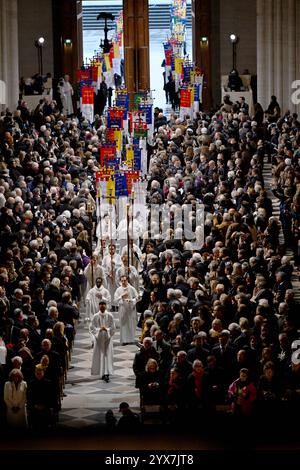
(88, 111)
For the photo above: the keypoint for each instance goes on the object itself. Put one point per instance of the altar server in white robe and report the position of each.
(131, 272)
(94, 295)
(15, 400)
(102, 328)
(92, 271)
(135, 254)
(110, 264)
(126, 298)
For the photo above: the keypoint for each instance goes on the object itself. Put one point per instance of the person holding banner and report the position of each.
(102, 96)
(111, 263)
(135, 230)
(135, 254)
(128, 270)
(126, 298)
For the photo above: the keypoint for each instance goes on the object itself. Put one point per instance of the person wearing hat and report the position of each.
(102, 329)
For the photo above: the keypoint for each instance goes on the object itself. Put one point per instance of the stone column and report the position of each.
(67, 24)
(261, 55)
(136, 44)
(278, 64)
(9, 54)
(201, 19)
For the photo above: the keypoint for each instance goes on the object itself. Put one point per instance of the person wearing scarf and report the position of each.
(242, 394)
(198, 389)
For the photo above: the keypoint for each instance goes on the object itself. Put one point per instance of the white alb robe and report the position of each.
(136, 259)
(16, 397)
(91, 273)
(66, 93)
(110, 272)
(127, 313)
(134, 279)
(93, 298)
(102, 361)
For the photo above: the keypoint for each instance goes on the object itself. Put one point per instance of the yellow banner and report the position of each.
(178, 65)
(110, 189)
(107, 62)
(118, 139)
(129, 155)
(116, 51)
(192, 95)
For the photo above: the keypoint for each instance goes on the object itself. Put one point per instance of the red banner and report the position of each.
(83, 75)
(103, 175)
(168, 56)
(106, 154)
(110, 135)
(185, 98)
(87, 95)
(111, 56)
(131, 176)
(94, 73)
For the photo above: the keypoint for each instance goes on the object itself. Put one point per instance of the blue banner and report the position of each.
(137, 164)
(121, 185)
(196, 92)
(147, 108)
(84, 83)
(123, 101)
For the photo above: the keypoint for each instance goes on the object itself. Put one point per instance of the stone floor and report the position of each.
(88, 397)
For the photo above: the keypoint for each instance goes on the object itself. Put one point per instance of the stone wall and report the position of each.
(35, 20)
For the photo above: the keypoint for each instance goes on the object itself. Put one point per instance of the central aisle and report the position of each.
(88, 398)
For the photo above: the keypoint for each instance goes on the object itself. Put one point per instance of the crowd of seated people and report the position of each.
(222, 322)
(223, 317)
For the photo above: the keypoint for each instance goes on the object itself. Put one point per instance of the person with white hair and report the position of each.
(15, 390)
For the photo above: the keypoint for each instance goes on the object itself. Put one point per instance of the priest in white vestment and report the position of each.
(103, 329)
(130, 271)
(94, 295)
(111, 263)
(92, 271)
(66, 92)
(126, 298)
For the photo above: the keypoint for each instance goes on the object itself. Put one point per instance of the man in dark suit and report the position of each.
(225, 355)
(41, 399)
(141, 358)
(163, 348)
(198, 351)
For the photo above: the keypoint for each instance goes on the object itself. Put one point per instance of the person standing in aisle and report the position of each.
(102, 328)
(126, 298)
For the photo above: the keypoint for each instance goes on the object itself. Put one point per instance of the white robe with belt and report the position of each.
(134, 279)
(66, 93)
(102, 361)
(110, 272)
(16, 397)
(91, 272)
(93, 298)
(127, 313)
